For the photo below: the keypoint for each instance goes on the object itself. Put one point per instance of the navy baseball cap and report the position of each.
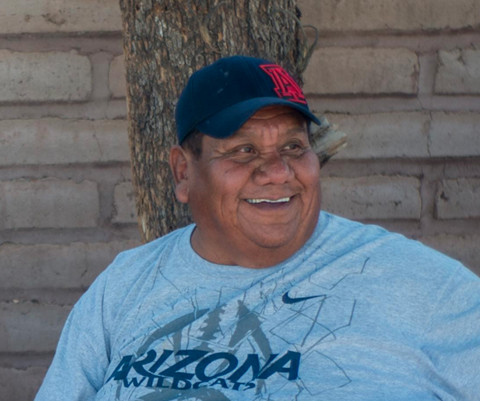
(221, 97)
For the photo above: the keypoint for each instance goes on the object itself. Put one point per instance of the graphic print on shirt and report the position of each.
(254, 343)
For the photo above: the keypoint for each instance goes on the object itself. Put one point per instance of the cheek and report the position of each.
(307, 171)
(231, 180)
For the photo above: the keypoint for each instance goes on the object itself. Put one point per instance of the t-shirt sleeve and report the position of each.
(452, 337)
(78, 368)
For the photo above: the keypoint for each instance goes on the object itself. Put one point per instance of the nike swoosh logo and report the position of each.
(287, 300)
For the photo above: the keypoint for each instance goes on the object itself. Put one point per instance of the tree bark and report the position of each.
(165, 41)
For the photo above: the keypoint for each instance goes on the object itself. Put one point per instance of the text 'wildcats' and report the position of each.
(211, 368)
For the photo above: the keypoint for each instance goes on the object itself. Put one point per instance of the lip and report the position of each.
(266, 206)
(270, 197)
(284, 199)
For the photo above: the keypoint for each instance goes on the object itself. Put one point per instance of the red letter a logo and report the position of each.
(285, 85)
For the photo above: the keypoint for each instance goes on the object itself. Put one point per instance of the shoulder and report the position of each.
(392, 253)
(142, 259)
(342, 236)
(397, 273)
(132, 272)
(129, 278)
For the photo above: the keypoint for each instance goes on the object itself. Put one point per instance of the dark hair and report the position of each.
(193, 141)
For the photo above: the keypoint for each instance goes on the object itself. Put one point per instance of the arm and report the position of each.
(78, 368)
(452, 337)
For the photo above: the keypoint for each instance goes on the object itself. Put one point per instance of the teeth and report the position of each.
(269, 200)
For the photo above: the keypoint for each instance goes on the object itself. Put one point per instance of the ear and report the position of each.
(179, 165)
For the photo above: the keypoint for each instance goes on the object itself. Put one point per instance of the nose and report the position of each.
(273, 169)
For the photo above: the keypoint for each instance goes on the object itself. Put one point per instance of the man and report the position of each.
(265, 297)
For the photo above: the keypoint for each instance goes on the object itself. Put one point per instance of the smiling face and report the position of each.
(255, 196)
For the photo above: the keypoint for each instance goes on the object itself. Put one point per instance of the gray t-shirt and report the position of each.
(357, 314)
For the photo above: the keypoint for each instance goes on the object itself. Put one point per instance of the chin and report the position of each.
(274, 242)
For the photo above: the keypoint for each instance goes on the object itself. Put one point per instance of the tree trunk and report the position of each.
(165, 41)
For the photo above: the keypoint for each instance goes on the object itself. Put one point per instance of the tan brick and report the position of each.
(66, 266)
(40, 16)
(31, 327)
(20, 384)
(124, 198)
(48, 203)
(55, 141)
(117, 81)
(458, 199)
(386, 135)
(362, 71)
(458, 72)
(377, 197)
(455, 134)
(36, 77)
(466, 249)
(392, 15)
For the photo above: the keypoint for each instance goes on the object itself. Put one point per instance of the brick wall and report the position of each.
(402, 78)
(66, 206)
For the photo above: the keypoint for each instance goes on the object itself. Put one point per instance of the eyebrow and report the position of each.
(241, 133)
(300, 128)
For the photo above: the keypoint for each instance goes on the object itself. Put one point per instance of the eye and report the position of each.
(246, 149)
(292, 146)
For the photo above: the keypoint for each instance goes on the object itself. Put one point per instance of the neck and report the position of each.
(253, 257)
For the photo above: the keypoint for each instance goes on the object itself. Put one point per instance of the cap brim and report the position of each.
(229, 120)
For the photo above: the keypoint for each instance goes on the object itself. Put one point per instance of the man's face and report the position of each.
(254, 196)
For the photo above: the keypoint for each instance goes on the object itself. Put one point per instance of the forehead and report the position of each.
(285, 121)
(274, 116)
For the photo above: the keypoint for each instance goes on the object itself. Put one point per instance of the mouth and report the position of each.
(269, 201)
